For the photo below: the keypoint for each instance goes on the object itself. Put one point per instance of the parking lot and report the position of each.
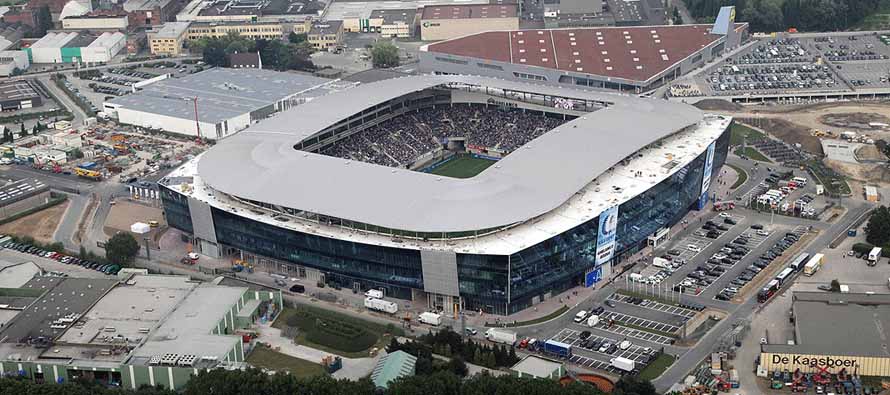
(657, 306)
(635, 333)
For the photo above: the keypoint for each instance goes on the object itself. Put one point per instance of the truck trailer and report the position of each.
(622, 363)
(559, 349)
(430, 318)
(874, 255)
(501, 336)
(381, 305)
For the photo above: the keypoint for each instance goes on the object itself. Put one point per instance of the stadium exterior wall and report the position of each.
(441, 63)
(496, 284)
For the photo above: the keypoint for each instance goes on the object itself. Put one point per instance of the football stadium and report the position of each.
(463, 192)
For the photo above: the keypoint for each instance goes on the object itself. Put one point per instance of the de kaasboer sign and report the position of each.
(827, 362)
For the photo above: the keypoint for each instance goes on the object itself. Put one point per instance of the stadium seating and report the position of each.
(399, 141)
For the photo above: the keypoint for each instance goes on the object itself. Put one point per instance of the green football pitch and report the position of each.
(465, 166)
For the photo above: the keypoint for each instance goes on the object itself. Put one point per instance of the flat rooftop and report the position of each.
(62, 296)
(20, 190)
(17, 274)
(17, 90)
(328, 27)
(469, 11)
(222, 93)
(144, 5)
(839, 324)
(260, 7)
(404, 15)
(360, 9)
(537, 366)
(170, 30)
(632, 53)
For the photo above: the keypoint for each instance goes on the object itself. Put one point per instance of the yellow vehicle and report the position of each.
(86, 173)
(153, 224)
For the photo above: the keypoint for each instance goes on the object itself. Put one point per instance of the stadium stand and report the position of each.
(398, 141)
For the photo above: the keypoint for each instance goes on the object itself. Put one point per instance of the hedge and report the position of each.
(333, 330)
(865, 248)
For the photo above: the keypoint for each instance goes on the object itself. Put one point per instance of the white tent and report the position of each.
(140, 227)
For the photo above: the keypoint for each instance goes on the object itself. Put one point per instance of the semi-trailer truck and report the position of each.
(558, 348)
(501, 336)
(381, 305)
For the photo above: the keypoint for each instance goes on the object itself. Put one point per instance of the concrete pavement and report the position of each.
(353, 368)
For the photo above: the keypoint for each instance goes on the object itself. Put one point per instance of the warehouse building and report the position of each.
(96, 22)
(22, 195)
(391, 367)
(16, 95)
(140, 330)
(401, 23)
(74, 47)
(12, 60)
(168, 39)
(228, 100)
(632, 59)
(834, 331)
(356, 15)
(444, 22)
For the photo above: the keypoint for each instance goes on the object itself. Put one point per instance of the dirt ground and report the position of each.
(125, 213)
(868, 172)
(40, 225)
(852, 120)
(869, 152)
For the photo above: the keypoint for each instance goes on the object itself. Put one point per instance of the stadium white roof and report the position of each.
(261, 163)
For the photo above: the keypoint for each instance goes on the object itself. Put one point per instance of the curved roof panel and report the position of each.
(261, 164)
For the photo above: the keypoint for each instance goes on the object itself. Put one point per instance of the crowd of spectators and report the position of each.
(400, 140)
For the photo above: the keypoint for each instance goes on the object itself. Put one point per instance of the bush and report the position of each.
(835, 286)
(862, 248)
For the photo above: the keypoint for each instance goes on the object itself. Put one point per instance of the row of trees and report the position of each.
(449, 343)
(254, 381)
(275, 54)
(9, 136)
(780, 15)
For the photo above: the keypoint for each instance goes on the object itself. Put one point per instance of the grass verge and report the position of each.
(752, 154)
(538, 320)
(657, 367)
(266, 358)
(739, 134)
(743, 176)
(334, 332)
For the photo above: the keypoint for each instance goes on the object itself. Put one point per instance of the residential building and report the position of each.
(247, 29)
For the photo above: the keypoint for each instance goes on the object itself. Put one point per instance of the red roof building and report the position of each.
(626, 58)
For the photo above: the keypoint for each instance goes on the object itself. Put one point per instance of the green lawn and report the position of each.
(464, 166)
(752, 154)
(264, 357)
(333, 332)
(739, 132)
(743, 176)
(657, 367)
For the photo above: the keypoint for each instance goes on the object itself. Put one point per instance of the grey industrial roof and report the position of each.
(64, 295)
(404, 15)
(222, 93)
(17, 274)
(261, 164)
(20, 190)
(839, 324)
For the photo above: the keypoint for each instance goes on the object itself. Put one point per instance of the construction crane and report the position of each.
(194, 100)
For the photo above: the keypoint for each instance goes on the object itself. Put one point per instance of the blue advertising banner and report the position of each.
(605, 238)
(593, 277)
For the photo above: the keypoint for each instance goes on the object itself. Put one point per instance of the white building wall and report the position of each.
(104, 48)
(46, 55)
(12, 60)
(108, 23)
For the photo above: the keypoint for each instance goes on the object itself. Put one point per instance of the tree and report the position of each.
(121, 248)
(295, 38)
(384, 55)
(877, 231)
(457, 366)
(835, 286)
(632, 385)
(676, 18)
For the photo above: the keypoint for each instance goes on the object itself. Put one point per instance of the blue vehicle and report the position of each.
(559, 349)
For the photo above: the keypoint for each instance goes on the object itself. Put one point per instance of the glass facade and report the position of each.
(496, 284)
